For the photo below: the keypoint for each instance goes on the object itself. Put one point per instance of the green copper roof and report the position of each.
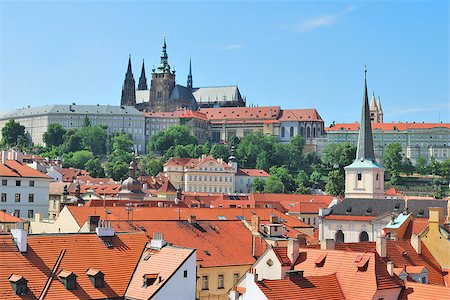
(398, 221)
(164, 66)
(364, 164)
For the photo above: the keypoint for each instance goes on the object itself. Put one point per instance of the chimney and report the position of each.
(301, 239)
(328, 244)
(158, 241)
(104, 229)
(255, 224)
(192, 219)
(293, 250)
(416, 243)
(20, 237)
(273, 219)
(390, 268)
(381, 245)
(37, 217)
(436, 218)
(294, 274)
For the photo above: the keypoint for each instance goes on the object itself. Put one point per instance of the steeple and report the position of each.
(365, 139)
(164, 66)
(380, 111)
(142, 80)
(373, 103)
(129, 87)
(189, 78)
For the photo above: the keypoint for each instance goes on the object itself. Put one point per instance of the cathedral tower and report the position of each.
(376, 112)
(189, 78)
(142, 80)
(162, 83)
(364, 178)
(128, 88)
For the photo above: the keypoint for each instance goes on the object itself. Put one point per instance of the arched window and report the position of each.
(283, 133)
(339, 236)
(363, 236)
(308, 132)
(302, 133)
(291, 131)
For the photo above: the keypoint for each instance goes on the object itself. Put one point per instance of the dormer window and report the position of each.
(150, 279)
(359, 176)
(96, 277)
(69, 279)
(18, 284)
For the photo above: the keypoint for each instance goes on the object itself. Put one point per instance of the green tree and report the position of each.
(441, 192)
(315, 177)
(434, 166)
(13, 134)
(258, 185)
(94, 138)
(336, 184)
(444, 170)
(118, 170)
(220, 151)
(72, 142)
(407, 167)
(174, 135)
(252, 145)
(392, 159)
(86, 121)
(283, 174)
(274, 185)
(121, 142)
(421, 166)
(54, 136)
(95, 168)
(152, 165)
(303, 179)
(294, 153)
(337, 156)
(301, 189)
(77, 159)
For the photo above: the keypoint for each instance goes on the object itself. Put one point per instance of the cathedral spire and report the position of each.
(189, 79)
(365, 138)
(164, 66)
(129, 88)
(142, 80)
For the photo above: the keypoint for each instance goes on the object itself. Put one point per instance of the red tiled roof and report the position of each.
(91, 180)
(349, 218)
(182, 114)
(167, 187)
(101, 189)
(415, 226)
(373, 277)
(252, 172)
(281, 253)
(194, 162)
(82, 251)
(395, 251)
(299, 115)
(162, 263)
(242, 113)
(70, 174)
(7, 218)
(388, 126)
(215, 241)
(292, 198)
(392, 192)
(13, 168)
(305, 288)
(420, 291)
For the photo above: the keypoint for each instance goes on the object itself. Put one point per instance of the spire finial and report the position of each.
(365, 70)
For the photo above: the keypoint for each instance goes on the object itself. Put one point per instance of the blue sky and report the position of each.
(294, 54)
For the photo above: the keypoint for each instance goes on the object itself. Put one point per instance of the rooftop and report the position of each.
(13, 168)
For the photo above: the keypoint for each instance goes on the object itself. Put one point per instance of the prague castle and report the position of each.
(165, 94)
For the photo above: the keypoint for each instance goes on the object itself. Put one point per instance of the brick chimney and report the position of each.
(381, 245)
(390, 268)
(293, 250)
(273, 219)
(192, 219)
(255, 224)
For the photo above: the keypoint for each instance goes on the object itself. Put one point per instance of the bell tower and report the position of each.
(162, 83)
(364, 178)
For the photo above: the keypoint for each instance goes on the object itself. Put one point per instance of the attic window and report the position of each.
(69, 279)
(362, 262)
(397, 206)
(369, 211)
(150, 279)
(96, 277)
(18, 284)
(349, 209)
(421, 213)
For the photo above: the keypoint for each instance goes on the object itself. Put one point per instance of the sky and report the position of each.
(296, 54)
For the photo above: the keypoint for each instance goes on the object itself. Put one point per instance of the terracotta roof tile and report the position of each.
(420, 291)
(307, 288)
(82, 251)
(288, 115)
(252, 172)
(388, 126)
(7, 218)
(242, 113)
(13, 168)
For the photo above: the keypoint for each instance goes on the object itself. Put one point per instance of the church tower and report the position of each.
(128, 88)
(189, 78)
(376, 113)
(142, 86)
(162, 83)
(380, 111)
(364, 178)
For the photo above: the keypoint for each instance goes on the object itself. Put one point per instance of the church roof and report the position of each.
(181, 92)
(217, 94)
(71, 109)
(299, 115)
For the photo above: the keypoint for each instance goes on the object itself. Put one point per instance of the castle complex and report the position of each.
(166, 95)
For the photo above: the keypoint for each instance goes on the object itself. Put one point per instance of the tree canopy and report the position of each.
(173, 136)
(54, 136)
(13, 134)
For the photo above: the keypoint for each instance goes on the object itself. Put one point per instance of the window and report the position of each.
(235, 278)
(17, 197)
(205, 283)
(30, 214)
(3, 199)
(220, 283)
(185, 274)
(30, 197)
(339, 236)
(18, 182)
(283, 133)
(359, 176)
(17, 213)
(291, 132)
(424, 280)
(31, 182)
(363, 236)
(4, 182)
